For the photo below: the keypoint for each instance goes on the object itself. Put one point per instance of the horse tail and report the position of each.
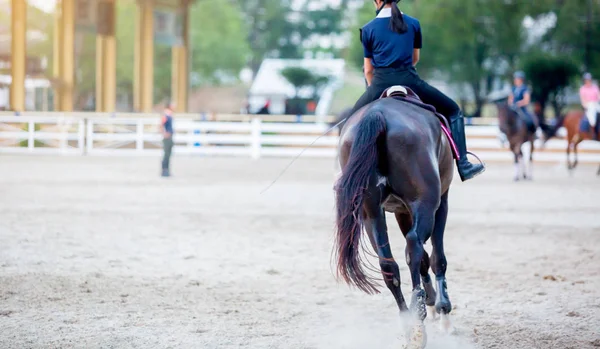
(350, 190)
(553, 130)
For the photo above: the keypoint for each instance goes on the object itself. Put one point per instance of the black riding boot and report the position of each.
(466, 170)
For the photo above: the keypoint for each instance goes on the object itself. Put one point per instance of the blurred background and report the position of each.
(290, 56)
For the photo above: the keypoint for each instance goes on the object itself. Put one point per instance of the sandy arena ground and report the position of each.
(101, 253)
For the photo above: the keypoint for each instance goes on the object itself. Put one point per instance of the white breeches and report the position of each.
(591, 111)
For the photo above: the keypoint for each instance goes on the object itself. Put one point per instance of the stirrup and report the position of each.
(476, 174)
(477, 157)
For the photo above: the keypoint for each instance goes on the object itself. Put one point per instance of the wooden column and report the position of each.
(18, 55)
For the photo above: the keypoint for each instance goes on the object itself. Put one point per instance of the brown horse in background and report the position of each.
(517, 133)
(395, 157)
(571, 121)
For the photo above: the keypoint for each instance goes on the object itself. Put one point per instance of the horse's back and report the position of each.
(403, 119)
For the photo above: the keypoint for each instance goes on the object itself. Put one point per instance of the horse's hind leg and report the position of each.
(405, 223)
(531, 150)
(576, 156)
(377, 230)
(428, 286)
(423, 221)
(517, 176)
(569, 167)
(527, 159)
(439, 264)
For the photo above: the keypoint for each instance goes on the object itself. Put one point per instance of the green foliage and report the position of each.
(217, 39)
(125, 33)
(355, 52)
(269, 32)
(549, 75)
(300, 77)
(577, 27)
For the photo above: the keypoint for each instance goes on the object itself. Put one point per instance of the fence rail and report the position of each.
(255, 138)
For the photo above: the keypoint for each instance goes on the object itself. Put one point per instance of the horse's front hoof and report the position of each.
(432, 315)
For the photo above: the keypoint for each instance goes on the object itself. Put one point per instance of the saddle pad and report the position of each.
(405, 94)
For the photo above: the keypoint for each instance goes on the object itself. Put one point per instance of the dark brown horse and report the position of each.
(517, 134)
(395, 158)
(571, 122)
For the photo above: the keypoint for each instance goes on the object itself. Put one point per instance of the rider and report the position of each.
(520, 98)
(589, 94)
(392, 44)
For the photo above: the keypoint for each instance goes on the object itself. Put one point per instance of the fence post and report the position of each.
(31, 135)
(81, 136)
(139, 139)
(256, 138)
(90, 136)
(64, 133)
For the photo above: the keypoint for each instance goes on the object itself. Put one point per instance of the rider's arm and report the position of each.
(511, 99)
(368, 55)
(368, 66)
(418, 45)
(581, 99)
(525, 101)
(416, 56)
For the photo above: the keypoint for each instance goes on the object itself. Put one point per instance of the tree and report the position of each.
(550, 76)
(298, 77)
(575, 32)
(272, 30)
(355, 52)
(218, 40)
(125, 33)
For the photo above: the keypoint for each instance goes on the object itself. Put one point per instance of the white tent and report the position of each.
(270, 85)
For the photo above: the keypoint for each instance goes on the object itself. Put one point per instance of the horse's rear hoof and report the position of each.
(417, 338)
(446, 324)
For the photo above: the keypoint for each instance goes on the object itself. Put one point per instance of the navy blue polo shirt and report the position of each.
(167, 121)
(519, 94)
(387, 48)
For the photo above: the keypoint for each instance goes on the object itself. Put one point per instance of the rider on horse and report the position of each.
(520, 98)
(589, 94)
(392, 44)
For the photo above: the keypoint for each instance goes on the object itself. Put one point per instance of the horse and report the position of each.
(517, 133)
(571, 121)
(396, 158)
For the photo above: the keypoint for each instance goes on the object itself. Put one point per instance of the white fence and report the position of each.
(255, 138)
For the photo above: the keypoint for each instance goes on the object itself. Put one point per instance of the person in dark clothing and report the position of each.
(265, 109)
(392, 45)
(167, 131)
(519, 99)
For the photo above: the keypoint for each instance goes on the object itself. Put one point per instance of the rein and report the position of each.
(300, 154)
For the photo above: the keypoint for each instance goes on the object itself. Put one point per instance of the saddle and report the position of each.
(407, 95)
(528, 119)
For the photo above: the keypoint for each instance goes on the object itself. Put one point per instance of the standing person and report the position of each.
(392, 45)
(520, 98)
(167, 132)
(589, 94)
(265, 109)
